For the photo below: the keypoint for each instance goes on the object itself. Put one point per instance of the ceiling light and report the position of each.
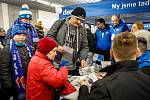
(89, 1)
(43, 2)
(56, 5)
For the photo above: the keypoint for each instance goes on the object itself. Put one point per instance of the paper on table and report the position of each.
(68, 54)
(105, 63)
(68, 49)
(75, 81)
(95, 57)
(86, 73)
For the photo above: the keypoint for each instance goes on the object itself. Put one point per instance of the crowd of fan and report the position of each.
(27, 57)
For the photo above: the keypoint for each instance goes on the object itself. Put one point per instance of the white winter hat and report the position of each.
(25, 12)
(144, 34)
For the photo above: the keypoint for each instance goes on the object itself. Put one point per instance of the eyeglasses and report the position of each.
(78, 18)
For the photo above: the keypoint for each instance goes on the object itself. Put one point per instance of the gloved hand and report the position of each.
(63, 63)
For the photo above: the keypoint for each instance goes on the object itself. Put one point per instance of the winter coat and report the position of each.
(121, 27)
(43, 78)
(144, 62)
(1, 93)
(125, 83)
(2, 40)
(103, 38)
(6, 68)
(58, 33)
(91, 41)
(8, 36)
(0, 67)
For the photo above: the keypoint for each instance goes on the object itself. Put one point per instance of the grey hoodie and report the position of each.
(59, 35)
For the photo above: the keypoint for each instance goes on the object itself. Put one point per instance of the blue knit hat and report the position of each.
(18, 29)
(25, 12)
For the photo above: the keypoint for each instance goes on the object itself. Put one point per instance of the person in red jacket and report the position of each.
(43, 77)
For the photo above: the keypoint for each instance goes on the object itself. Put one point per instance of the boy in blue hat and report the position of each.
(14, 61)
(25, 16)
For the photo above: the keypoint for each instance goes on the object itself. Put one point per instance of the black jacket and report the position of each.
(2, 40)
(91, 41)
(124, 83)
(6, 68)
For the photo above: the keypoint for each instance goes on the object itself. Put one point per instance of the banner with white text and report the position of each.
(110, 7)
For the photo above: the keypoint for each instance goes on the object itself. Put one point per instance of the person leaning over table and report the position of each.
(43, 78)
(125, 82)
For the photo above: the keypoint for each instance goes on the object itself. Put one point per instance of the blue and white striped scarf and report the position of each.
(18, 73)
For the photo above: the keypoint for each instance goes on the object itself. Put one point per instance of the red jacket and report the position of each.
(42, 78)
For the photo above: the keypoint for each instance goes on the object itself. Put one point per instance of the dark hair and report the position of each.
(142, 44)
(101, 20)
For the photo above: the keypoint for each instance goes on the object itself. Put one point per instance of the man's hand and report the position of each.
(100, 75)
(33, 48)
(84, 82)
(60, 48)
(83, 63)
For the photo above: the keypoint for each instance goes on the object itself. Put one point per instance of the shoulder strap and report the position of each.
(62, 22)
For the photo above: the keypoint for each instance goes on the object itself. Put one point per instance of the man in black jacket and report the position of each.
(91, 44)
(124, 82)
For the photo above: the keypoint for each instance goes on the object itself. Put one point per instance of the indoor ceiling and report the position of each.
(129, 18)
(36, 5)
(71, 2)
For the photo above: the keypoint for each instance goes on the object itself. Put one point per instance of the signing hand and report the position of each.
(60, 48)
(83, 63)
(100, 75)
(84, 82)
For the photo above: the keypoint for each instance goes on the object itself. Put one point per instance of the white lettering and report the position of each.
(146, 3)
(128, 5)
(115, 6)
(67, 12)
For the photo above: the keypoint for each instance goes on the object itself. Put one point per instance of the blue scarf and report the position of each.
(18, 75)
(32, 35)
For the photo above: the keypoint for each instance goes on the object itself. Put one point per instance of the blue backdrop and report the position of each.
(110, 7)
